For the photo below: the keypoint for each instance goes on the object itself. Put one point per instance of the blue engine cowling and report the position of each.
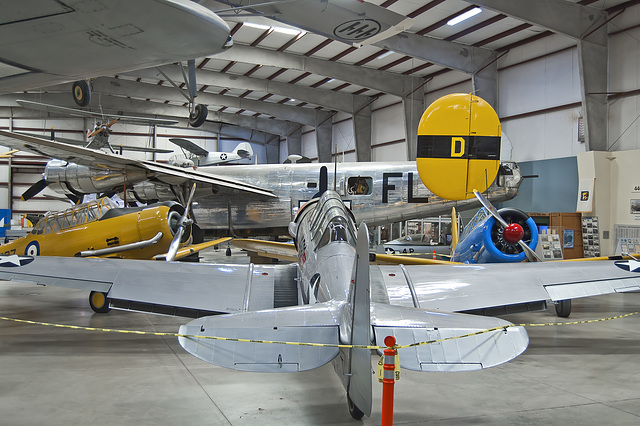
(482, 240)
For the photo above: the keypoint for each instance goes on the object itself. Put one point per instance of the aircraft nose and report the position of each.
(513, 233)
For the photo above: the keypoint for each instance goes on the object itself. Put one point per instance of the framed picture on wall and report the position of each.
(568, 238)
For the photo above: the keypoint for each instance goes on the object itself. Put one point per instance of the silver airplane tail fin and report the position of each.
(244, 150)
(359, 360)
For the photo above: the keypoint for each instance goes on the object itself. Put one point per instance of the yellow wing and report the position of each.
(194, 248)
(271, 249)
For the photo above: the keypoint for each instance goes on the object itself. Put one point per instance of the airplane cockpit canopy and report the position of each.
(475, 220)
(77, 215)
(332, 221)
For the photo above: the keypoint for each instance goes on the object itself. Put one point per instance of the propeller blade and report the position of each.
(182, 225)
(34, 190)
(487, 205)
(531, 255)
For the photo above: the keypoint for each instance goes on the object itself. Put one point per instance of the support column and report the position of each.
(272, 149)
(294, 142)
(413, 109)
(593, 87)
(485, 84)
(324, 137)
(362, 133)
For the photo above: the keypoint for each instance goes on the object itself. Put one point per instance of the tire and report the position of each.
(563, 308)
(198, 116)
(99, 302)
(353, 410)
(81, 93)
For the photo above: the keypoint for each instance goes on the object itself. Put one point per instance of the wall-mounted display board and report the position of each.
(591, 236)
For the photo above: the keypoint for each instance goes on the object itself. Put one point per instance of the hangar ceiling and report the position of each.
(287, 65)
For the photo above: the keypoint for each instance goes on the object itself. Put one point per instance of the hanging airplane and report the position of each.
(98, 138)
(333, 296)
(43, 43)
(196, 156)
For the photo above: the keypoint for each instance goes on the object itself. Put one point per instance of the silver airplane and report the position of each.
(196, 156)
(251, 199)
(333, 296)
(82, 41)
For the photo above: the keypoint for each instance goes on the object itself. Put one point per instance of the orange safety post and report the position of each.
(434, 255)
(388, 381)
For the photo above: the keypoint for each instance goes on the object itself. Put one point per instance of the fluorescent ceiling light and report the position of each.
(464, 16)
(258, 26)
(283, 30)
(385, 54)
(290, 31)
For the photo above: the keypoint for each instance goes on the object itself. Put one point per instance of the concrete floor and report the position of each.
(583, 374)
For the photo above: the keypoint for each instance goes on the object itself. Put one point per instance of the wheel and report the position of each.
(353, 410)
(563, 308)
(99, 302)
(228, 252)
(198, 116)
(81, 93)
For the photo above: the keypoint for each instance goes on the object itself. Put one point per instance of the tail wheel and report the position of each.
(198, 116)
(355, 412)
(81, 93)
(99, 302)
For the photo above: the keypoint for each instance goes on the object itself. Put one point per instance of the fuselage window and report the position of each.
(312, 185)
(359, 185)
(50, 223)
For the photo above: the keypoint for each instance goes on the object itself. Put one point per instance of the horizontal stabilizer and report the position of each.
(409, 325)
(311, 324)
(270, 249)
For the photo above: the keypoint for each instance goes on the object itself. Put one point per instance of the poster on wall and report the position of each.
(568, 235)
(585, 195)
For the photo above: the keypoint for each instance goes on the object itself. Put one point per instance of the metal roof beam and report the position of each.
(373, 79)
(326, 98)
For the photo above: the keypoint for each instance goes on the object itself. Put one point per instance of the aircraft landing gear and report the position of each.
(99, 302)
(81, 93)
(198, 116)
(563, 308)
(353, 410)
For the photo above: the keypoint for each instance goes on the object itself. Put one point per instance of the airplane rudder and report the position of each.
(458, 147)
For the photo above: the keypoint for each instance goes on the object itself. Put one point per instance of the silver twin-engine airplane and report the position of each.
(256, 199)
(332, 296)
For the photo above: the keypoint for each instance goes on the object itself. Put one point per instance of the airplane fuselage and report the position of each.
(378, 193)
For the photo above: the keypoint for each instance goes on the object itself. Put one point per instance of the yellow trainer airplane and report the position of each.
(100, 228)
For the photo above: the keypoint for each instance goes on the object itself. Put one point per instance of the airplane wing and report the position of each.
(493, 288)
(271, 249)
(96, 158)
(50, 42)
(475, 352)
(194, 248)
(88, 114)
(389, 259)
(190, 146)
(311, 324)
(169, 288)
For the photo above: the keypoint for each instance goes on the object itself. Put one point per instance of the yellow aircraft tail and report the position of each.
(458, 146)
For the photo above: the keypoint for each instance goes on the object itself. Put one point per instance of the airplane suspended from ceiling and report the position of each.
(353, 22)
(196, 156)
(43, 43)
(262, 199)
(98, 137)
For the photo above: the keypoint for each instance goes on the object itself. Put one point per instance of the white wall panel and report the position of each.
(544, 136)
(388, 125)
(547, 82)
(624, 124)
(392, 152)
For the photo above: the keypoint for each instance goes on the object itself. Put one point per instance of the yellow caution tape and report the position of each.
(332, 345)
